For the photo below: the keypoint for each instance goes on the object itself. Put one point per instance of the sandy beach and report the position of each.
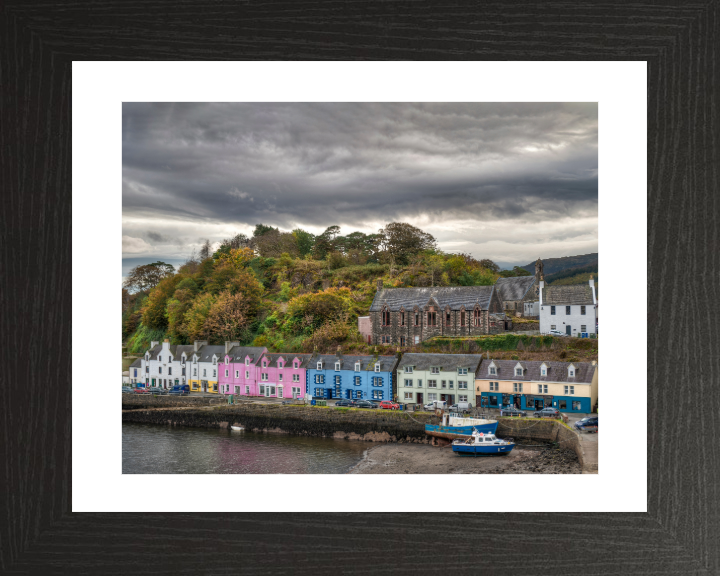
(426, 459)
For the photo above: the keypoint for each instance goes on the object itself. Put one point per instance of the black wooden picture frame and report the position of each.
(680, 533)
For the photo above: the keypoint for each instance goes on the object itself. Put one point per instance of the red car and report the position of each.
(389, 405)
(142, 391)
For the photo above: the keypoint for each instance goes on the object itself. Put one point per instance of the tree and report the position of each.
(489, 265)
(325, 242)
(274, 243)
(401, 241)
(153, 313)
(435, 265)
(206, 250)
(237, 257)
(304, 241)
(196, 316)
(146, 276)
(234, 243)
(229, 318)
(262, 229)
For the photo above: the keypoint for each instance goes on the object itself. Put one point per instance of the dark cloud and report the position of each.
(193, 167)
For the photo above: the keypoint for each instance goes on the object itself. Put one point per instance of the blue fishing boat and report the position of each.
(455, 427)
(480, 443)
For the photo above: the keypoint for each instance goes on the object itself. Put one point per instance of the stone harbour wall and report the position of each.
(543, 430)
(136, 401)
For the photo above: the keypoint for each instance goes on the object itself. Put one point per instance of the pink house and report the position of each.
(283, 375)
(238, 369)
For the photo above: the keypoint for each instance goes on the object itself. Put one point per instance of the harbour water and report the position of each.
(150, 449)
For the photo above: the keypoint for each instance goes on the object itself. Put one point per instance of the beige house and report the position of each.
(532, 385)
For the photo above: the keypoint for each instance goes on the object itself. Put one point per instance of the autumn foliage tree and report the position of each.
(229, 317)
(146, 276)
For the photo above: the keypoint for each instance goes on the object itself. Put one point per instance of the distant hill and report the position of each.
(554, 265)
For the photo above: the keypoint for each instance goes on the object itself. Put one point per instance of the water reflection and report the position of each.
(149, 449)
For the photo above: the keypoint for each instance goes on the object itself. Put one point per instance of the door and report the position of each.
(279, 391)
(419, 398)
(517, 402)
(567, 330)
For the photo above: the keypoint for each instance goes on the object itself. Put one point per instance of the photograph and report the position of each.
(360, 288)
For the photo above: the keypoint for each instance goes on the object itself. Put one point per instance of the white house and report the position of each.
(164, 365)
(571, 309)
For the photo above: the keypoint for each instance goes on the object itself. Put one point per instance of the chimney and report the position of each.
(542, 285)
(154, 343)
(592, 287)
(199, 344)
(593, 362)
(379, 284)
(229, 346)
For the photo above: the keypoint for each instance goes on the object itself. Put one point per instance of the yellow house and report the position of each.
(532, 385)
(204, 367)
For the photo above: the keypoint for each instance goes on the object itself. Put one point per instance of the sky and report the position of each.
(507, 181)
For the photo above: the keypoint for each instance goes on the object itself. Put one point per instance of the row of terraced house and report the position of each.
(408, 378)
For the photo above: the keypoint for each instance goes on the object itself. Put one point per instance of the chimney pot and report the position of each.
(379, 284)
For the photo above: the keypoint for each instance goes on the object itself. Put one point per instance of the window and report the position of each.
(227, 373)
(319, 365)
(337, 366)
(357, 380)
(319, 379)
(462, 385)
(494, 386)
(571, 372)
(517, 387)
(385, 339)
(408, 395)
(264, 364)
(493, 370)
(296, 392)
(386, 318)
(417, 319)
(280, 377)
(552, 310)
(227, 360)
(567, 310)
(450, 383)
(214, 360)
(159, 369)
(462, 318)
(553, 327)
(462, 371)
(337, 380)
(447, 318)
(408, 369)
(169, 370)
(431, 319)
(147, 369)
(408, 383)
(170, 359)
(476, 317)
(319, 392)
(435, 370)
(262, 390)
(493, 401)
(518, 371)
(377, 381)
(377, 366)
(542, 387)
(247, 361)
(357, 366)
(443, 384)
(247, 374)
(419, 383)
(432, 383)
(135, 370)
(247, 390)
(562, 405)
(264, 376)
(213, 373)
(159, 358)
(583, 327)
(569, 390)
(358, 393)
(402, 340)
(377, 394)
(182, 361)
(402, 318)
(543, 371)
(194, 371)
(462, 398)
(296, 377)
(582, 310)
(295, 365)
(237, 373)
(576, 405)
(432, 397)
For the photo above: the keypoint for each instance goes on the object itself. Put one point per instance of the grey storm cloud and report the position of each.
(225, 165)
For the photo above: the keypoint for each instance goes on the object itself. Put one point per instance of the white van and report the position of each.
(436, 405)
(461, 407)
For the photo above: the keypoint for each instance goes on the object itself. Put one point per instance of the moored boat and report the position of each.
(453, 428)
(237, 428)
(480, 443)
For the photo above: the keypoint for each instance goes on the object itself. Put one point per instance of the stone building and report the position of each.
(519, 295)
(407, 316)
(570, 309)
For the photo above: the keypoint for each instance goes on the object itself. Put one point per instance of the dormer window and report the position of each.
(247, 361)
(543, 369)
(377, 366)
(408, 369)
(214, 360)
(518, 371)
(264, 364)
(493, 371)
(462, 371)
(337, 366)
(357, 366)
(182, 361)
(170, 359)
(319, 365)
(435, 370)
(227, 360)
(159, 358)
(571, 372)
(295, 365)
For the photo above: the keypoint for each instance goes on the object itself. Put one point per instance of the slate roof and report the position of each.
(239, 353)
(557, 371)
(446, 362)
(180, 348)
(273, 358)
(453, 296)
(154, 352)
(137, 363)
(387, 363)
(567, 294)
(510, 289)
(205, 354)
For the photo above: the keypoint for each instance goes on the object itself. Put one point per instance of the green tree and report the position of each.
(144, 277)
(196, 316)
(304, 241)
(401, 241)
(153, 314)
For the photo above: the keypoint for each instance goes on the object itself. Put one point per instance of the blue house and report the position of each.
(352, 377)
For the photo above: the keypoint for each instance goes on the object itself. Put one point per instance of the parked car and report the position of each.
(461, 407)
(590, 424)
(157, 390)
(556, 333)
(289, 401)
(365, 404)
(547, 413)
(141, 391)
(388, 405)
(127, 390)
(344, 402)
(512, 411)
(180, 390)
